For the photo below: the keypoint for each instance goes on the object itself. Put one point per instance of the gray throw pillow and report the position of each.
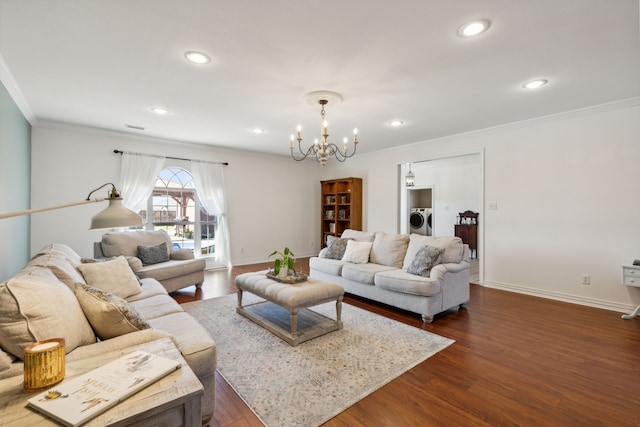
(335, 247)
(426, 258)
(153, 254)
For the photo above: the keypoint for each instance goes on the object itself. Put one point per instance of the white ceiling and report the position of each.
(103, 64)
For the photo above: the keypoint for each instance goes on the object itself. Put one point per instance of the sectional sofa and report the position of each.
(422, 274)
(96, 307)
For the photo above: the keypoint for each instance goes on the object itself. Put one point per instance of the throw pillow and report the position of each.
(357, 252)
(335, 247)
(113, 276)
(426, 258)
(109, 315)
(153, 254)
(34, 306)
(389, 249)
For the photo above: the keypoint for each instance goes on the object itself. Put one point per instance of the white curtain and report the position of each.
(138, 174)
(209, 181)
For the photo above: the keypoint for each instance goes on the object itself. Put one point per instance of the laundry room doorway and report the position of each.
(420, 207)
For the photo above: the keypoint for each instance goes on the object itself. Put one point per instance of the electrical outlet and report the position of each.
(586, 279)
(241, 251)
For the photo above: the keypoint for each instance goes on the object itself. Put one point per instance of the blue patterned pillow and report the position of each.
(336, 247)
(153, 254)
(426, 258)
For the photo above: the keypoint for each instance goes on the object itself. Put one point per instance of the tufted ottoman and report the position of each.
(285, 313)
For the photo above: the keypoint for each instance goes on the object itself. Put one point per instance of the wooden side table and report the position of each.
(172, 400)
(631, 277)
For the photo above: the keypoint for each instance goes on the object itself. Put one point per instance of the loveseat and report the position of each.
(422, 274)
(96, 307)
(151, 254)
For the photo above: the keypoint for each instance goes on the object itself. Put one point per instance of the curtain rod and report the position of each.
(172, 158)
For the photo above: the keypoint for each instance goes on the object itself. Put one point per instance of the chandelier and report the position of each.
(322, 149)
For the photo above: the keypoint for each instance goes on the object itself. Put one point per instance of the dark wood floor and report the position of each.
(517, 361)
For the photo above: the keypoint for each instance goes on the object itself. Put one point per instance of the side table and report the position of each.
(631, 277)
(172, 400)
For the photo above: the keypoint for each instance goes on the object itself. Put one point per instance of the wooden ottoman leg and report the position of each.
(339, 312)
(294, 323)
(239, 298)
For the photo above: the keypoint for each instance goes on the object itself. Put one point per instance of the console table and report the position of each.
(172, 400)
(631, 277)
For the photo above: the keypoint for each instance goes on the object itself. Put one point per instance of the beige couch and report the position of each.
(180, 268)
(381, 272)
(96, 307)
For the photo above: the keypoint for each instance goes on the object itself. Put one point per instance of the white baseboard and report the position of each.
(559, 296)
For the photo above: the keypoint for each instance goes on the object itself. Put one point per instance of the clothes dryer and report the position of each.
(420, 221)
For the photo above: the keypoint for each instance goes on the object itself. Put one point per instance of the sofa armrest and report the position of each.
(439, 270)
(181, 254)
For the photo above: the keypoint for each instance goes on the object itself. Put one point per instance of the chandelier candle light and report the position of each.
(322, 149)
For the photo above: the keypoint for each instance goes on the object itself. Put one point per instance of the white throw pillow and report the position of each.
(114, 276)
(357, 252)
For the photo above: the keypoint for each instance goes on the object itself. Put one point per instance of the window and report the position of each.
(177, 210)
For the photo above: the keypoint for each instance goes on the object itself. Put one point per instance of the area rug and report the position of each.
(307, 385)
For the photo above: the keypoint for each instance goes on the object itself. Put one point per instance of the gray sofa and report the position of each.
(383, 275)
(180, 269)
(58, 295)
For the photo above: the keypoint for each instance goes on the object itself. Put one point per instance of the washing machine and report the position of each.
(420, 221)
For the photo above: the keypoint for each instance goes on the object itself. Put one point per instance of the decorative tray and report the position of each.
(298, 278)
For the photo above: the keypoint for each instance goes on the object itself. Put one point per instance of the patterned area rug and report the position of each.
(309, 384)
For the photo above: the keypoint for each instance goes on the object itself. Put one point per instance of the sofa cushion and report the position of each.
(59, 266)
(153, 254)
(109, 315)
(34, 306)
(453, 248)
(171, 269)
(114, 276)
(118, 243)
(401, 281)
(425, 259)
(389, 249)
(63, 250)
(359, 236)
(357, 252)
(156, 306)
(326, 265)
(363, 273)
(150, 287)
(335, 247)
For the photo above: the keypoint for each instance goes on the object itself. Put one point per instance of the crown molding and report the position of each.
(564, 115)
(6, 77)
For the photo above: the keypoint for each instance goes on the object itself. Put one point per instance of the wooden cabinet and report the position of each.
(467, 230)
(341, 202)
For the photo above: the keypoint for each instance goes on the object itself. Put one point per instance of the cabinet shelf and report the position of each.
(341, 201)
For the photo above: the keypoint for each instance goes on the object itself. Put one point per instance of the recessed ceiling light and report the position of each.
(535, 84)
(396, 123)
(197, 57)
(160, 111)
(257, 131)
(474, 28)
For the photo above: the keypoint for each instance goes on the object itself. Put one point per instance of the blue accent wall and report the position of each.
(15, 186)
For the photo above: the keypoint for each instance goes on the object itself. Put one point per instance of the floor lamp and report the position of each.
(114, 216)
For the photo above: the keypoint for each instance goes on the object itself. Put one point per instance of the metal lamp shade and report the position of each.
(115, 216)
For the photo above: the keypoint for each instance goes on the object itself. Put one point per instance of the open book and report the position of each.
(77, 400)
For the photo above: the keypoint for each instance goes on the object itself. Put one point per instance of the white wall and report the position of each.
(566, 191)
(272, 201)
(565, 187)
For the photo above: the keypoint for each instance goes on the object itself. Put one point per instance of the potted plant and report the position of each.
(284, 263)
